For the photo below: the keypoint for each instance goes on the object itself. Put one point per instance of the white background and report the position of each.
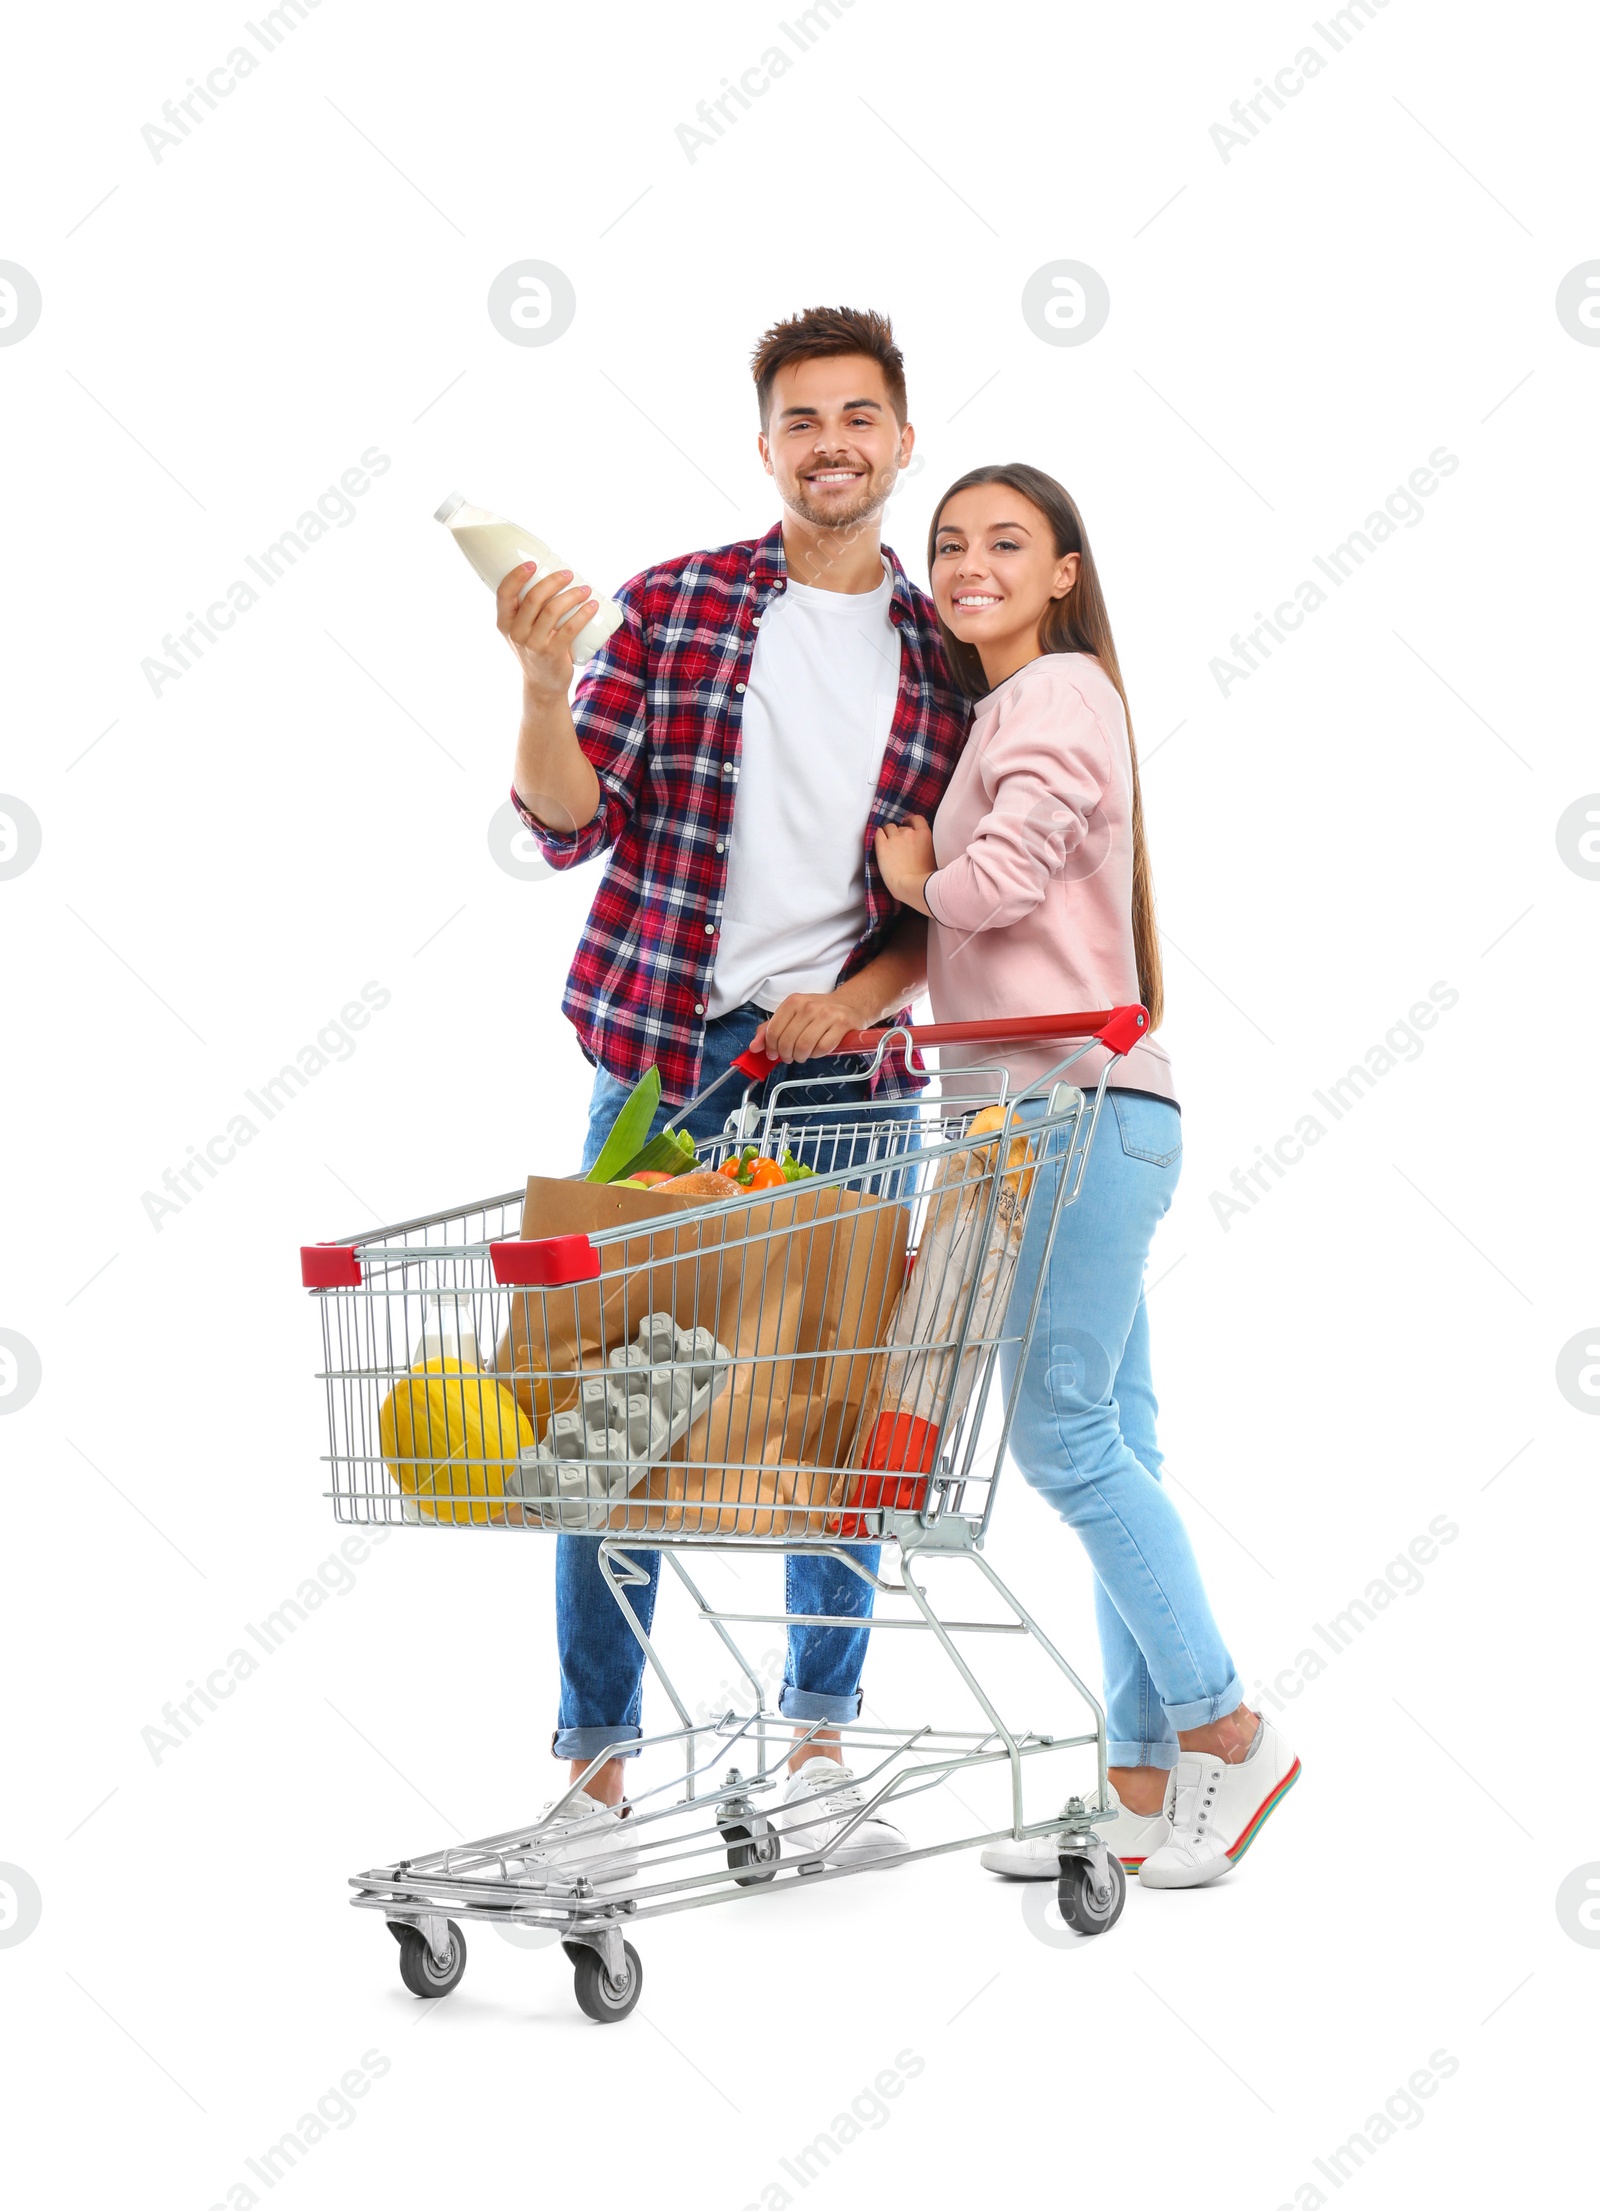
(1292, 331)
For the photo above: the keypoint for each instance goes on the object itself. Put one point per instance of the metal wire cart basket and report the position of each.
(813, 1369)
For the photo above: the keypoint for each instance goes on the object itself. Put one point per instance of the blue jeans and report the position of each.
(602, 1666)
(1085, 1434)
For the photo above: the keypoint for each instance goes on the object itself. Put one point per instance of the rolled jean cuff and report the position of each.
(589, 1742)
(807, 1704)
(1206, 1709)
(1164, 1755)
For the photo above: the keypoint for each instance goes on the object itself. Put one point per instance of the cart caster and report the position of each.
(598, 1995)
(420, 1969)
(1090, 1907)
(753, 1858)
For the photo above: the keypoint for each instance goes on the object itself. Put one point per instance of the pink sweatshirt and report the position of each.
(1032, 899)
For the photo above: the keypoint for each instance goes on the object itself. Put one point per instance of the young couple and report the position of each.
(762, 747)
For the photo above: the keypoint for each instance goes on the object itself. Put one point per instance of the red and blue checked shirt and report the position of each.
(658, 714)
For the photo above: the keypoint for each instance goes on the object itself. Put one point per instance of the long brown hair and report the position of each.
(1078, 623)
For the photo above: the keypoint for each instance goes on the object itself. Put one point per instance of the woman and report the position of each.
(1037, 884)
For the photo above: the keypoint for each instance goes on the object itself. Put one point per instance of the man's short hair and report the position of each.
(820, 333)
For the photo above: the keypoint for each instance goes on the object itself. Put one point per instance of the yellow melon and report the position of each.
(450, 1443)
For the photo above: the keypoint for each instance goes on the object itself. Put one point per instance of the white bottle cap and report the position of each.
(457, 499)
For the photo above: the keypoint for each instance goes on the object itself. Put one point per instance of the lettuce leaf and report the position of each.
(630, 1129)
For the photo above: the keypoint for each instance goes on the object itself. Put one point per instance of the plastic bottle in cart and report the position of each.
(495, 546)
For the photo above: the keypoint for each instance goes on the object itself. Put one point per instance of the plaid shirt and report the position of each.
(658, 714)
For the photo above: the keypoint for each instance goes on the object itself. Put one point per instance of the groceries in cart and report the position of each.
(632, 1159)
(471, 1446)
(786, 1293)
(752, 1371)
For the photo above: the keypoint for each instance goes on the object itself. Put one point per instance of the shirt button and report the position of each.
(722, 844)
(727, 765)
(738, 687)
(711, 928)
(699, 1009)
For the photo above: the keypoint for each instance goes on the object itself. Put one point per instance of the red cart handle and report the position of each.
(1119, 1030)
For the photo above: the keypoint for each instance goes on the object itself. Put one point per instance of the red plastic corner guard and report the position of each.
(329, 1267)
(1124, 1029)
(545, 1262)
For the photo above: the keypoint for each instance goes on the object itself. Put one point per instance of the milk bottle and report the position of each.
(495, 546)
(448, 1333)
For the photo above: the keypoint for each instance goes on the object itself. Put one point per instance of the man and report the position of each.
(763, 709)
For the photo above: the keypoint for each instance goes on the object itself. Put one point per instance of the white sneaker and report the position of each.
(1217, 1811)
(586, 1839)
(818, 1803)
(1130, 1836)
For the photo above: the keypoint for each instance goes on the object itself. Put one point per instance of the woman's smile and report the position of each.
(995, 571)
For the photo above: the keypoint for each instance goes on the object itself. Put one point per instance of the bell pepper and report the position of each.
(751, 1171)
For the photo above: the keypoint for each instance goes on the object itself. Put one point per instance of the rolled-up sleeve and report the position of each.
(609, 714)
(1044, 771)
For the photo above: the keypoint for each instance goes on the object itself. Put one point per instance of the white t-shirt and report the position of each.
(823, 683)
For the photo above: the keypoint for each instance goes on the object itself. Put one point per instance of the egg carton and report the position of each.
(623, 1426)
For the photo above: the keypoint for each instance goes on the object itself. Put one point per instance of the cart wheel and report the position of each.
(420, 1970)
(598, 1995)
(759, 1853)
(1086, 1909)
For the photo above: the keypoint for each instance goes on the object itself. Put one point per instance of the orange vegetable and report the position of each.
(765, 1174)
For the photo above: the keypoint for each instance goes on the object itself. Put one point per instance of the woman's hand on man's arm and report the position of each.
(906, 858)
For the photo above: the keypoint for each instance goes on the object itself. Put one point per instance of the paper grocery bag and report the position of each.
(553, 1334)
(772, 1457)
(798, 1286)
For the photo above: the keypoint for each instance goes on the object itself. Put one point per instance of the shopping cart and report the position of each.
(658, 1436)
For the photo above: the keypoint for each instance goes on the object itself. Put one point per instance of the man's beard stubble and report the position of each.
(874, 498)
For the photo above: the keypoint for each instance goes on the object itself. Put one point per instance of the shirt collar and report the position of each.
(769, 571)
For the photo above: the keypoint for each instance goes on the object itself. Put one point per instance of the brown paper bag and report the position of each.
(553, 1332)
(796, 1286)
